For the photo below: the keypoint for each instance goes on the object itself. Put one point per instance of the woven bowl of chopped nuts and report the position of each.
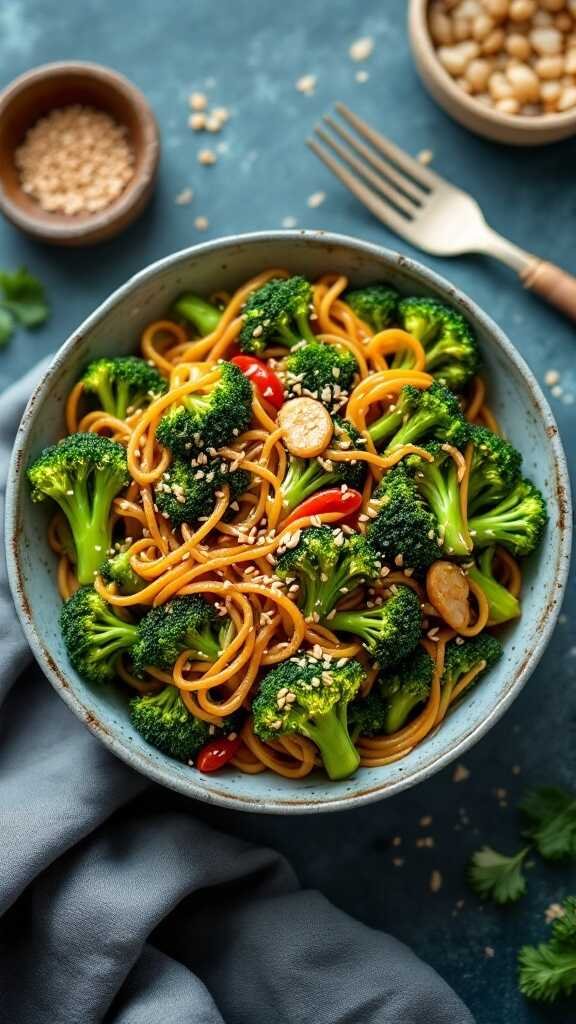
(79, 150)
(505, 69)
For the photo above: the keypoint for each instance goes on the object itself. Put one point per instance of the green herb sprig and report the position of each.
(22, 301)
(548, 972)
(550, 816)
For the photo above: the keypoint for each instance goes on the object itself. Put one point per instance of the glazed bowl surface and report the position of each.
(114, 328)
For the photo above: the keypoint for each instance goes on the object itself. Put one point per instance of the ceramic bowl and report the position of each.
(518, 403)
(52, 86)
(515, 130)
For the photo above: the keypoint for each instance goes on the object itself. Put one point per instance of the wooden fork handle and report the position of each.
(553, 284)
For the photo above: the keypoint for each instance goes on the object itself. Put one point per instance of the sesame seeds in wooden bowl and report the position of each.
(79, 149)
(505, 69)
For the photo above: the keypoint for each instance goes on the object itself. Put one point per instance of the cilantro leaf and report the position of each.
(548, 972)
(6, 327)
(494, 876)
(551, 814)
(24, 297)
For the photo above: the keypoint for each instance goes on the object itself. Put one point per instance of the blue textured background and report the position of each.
(248, 56)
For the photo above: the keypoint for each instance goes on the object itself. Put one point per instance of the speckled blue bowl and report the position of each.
(115, 329)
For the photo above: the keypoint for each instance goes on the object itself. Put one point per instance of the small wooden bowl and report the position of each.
(53, 86)
(513, 129)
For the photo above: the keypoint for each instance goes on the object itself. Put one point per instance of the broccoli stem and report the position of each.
(90, 525)
(302, 480)
(330, 734)
(413, 429)
(504, 522)
(401, 704)
(355, 622)
(201, 314)
(386, 426)
(441, 490)
(502, 604)
(204, 644)
(113, 635)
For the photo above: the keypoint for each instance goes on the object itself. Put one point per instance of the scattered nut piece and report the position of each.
(425, 157)
(198, 101)
(551, 377)
(201, 223)
(197, 122)
(289, 222)
(362, 76)
(553, 912)
(307, 84)
(461, 773)
(184, 197)
(207, 157)
(435, 881)
(362, 48)
(316, 199)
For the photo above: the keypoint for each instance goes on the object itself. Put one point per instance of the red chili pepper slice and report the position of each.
(267, 382)
(215, 754)
(332, 500)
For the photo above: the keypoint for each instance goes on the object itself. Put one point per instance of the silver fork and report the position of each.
(425, 209)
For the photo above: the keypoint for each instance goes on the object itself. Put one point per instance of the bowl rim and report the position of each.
(137, 188)
(140, 761)
(422, 42)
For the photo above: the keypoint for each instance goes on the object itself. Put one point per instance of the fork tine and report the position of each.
(415, 192)
(379, 208)
(398, 198)
(421, 174)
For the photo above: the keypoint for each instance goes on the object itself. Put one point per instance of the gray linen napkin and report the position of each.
(118, 905)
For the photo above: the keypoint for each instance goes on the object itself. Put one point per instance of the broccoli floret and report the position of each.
(94, 635)
(517, 521)
(451, 349)
(494, 470)
(390, 631)
(306, 476)
(406, 687)
(326, 371)
(437, 482)
(123, 384)
(419, 416)
(367, 715)
(404, 527)
(184, 498)
(277, 314)
(311, 698)
(165, 723)
(503, 605)
(480, 651)
(188, 623)
(375, 304)
(326, 569)
(209, 419)
(83, 474)
(204, 316)
(119, 571)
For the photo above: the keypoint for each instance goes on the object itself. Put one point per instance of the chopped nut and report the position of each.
(207, 157)
(201, 223)
(435, 881)
(362, 48)
(184, 197)
(197, 101)
(316, 199)
(461, 773)
(307, 84)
